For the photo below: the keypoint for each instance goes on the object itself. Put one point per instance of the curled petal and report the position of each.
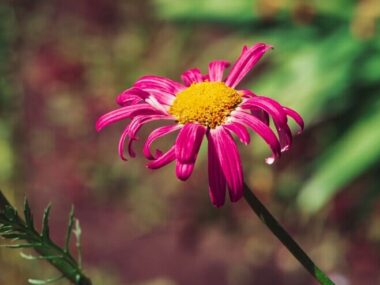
(240, 131)
(260, 114)
(123, 113)
(163, 160)
(131, 151)
(188, 142)
(245, 63)
(132, 129)
(163, 97)
(157, 133)
(262, 130)
(184, 170)
(151, 100)
(136, 95)
(122, 139)
(131, 95)
(159, 82)
(216, 179)
(162, 89)
(273, 108)
(191, 76)
(229, 161)
(296, 117)
(216, 69)
(139, 121)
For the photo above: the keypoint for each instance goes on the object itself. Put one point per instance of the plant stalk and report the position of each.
(266, 217)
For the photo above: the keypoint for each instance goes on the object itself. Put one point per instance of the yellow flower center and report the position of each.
(206, 103)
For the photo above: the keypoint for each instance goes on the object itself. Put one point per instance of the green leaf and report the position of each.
(32, 257)
(69, 229)
(45, 223)
(3, 203)
(13, 228)
(352, 154)
(78, 233)
(10, 213)
(47, 281)
(28, 214)
(22, 245)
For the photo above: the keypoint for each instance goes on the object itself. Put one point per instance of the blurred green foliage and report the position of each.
(326, 65)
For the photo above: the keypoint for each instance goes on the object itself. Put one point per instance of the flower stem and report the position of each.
(266, 217)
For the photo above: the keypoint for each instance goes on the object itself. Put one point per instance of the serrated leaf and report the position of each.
(45, 223)
(41, 257)
(10, 213)
(22, 245)
(11, 235)
(69, 229)
(3, 202)
(28, 215)
(352, 154)
(5, 228)
(46, 281)
(78, 233)
(13, 228)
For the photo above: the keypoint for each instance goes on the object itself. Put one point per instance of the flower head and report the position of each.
(204, 106)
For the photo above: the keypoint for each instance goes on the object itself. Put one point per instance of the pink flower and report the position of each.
(206, 105)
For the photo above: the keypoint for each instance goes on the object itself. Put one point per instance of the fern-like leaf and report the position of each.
(45, 223)
(14, 229)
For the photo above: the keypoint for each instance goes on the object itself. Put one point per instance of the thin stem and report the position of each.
(266, 217)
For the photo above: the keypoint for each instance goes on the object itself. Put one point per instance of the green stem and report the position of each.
(266, 217)
(67, 265)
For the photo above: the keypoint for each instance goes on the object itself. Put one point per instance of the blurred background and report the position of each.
(62, 62)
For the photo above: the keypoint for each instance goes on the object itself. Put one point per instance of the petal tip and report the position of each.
(270, 160)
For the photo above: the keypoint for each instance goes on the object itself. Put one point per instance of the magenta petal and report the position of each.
(240, 131)
(188, 142)
(157, 133)
(130, 95)
(158, 82)
(122, 139)
(262, 130)
(273, 108)
(131, 152)
(296, 117)
(216, 179)
(183, 170)
(163, 160)
(261, 115)
(161, 96)
(122, 113)
(245, 63)
(205, 77)
(191, 76)
(229, 160)
(138, 121)
(246, 93)
(216, 69)
(131, 131)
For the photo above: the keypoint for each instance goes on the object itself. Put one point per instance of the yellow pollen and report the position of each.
(206, 103)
